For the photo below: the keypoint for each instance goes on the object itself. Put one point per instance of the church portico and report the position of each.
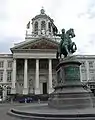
(32, 76)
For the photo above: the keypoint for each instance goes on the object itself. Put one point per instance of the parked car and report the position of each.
(26, 100)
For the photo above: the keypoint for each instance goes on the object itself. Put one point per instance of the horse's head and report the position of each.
(70, 32)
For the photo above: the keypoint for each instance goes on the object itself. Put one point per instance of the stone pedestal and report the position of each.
(69, 92)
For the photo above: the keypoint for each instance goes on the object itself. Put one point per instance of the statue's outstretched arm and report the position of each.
(57, 34)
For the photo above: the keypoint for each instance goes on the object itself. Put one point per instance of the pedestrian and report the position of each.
(39, 101)
(25, 100)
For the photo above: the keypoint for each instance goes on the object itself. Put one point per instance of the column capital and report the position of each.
(38, 59)
(14, 59)
(49, 58)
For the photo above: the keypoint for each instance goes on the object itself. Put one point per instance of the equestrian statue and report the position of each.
(66, 46)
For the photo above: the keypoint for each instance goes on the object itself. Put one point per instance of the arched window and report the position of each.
(43, 25)
(36, 27)
(49, 26)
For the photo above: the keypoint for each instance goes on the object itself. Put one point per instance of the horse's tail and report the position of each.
(75, 47)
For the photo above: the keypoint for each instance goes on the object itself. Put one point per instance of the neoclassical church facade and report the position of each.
(30, 69)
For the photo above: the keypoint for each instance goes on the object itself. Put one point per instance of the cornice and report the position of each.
(85, 56)
(6, 55)
(34, 50)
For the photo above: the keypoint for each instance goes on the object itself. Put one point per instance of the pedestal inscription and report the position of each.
(72, 73)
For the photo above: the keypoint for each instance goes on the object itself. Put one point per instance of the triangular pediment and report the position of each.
(42, 43)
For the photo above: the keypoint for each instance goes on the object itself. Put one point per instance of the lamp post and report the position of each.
(3, 91)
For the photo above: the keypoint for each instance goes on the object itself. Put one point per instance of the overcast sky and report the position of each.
(77, 14)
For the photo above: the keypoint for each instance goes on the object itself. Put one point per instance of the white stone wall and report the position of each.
(5, 83)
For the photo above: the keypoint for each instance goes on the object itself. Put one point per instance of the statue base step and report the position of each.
(71, 97)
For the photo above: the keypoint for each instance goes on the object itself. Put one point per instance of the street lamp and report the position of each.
(3, 91)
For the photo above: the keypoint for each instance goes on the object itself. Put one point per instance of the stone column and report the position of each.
(80, 73)
(87, 68)
(5, 72)
(13, 90)
(5, 79)
(25, 89)
(50, 76)
(37, 90)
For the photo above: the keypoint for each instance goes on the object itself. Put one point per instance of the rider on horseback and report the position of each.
(66, 45)
(64, 42)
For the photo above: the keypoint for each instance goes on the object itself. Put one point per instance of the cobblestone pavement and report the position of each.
(4, 109)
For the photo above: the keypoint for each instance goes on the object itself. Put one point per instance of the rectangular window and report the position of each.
(83, 70)
(1, 76)
(91, 64)
(8, 90)
(1, 64)
(91, 70)
(9, 64)
(9, 76)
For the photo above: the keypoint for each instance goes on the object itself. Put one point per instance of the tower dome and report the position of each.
(42, 25)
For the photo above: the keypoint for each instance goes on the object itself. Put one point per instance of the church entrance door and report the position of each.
(45, 88)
